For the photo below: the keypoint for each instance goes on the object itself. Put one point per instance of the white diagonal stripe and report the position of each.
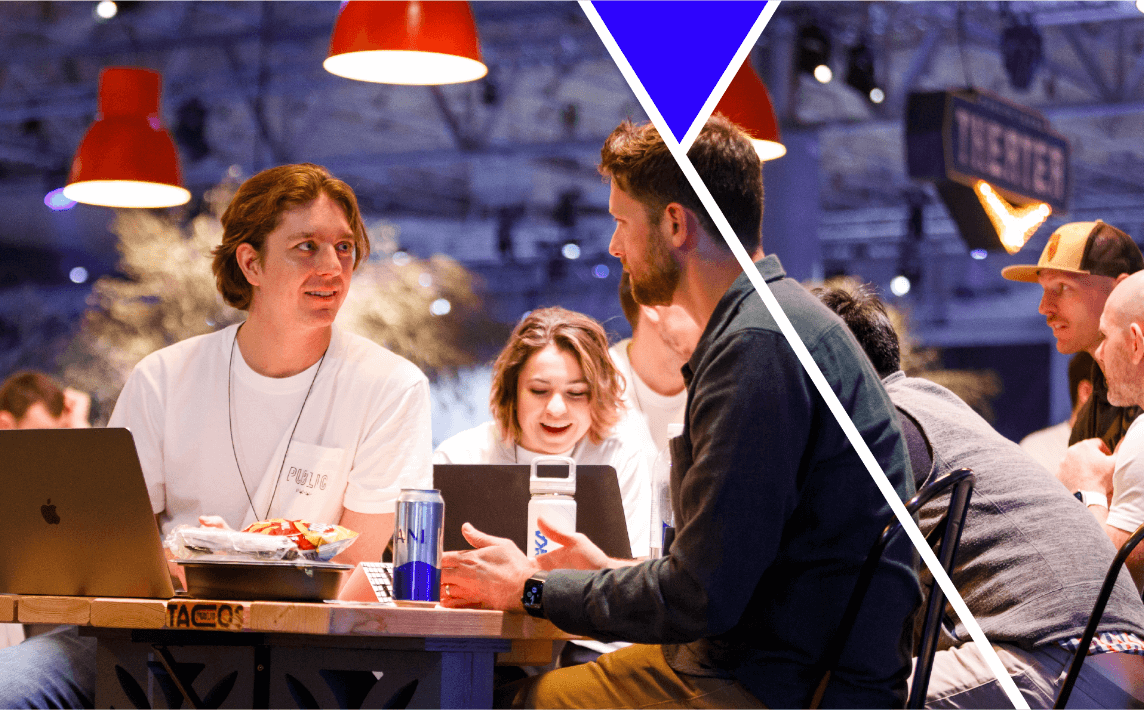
(804, 357)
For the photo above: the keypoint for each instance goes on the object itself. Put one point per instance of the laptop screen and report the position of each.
(78, 505)
(494, 498)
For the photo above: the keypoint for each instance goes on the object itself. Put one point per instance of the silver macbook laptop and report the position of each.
(494, 498)
(78, 517)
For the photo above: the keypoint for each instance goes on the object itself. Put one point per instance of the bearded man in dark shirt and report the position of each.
(774, 510)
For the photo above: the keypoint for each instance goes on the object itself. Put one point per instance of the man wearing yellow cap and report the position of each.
(1078, 268)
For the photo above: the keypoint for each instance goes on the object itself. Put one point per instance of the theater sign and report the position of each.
(999, 167)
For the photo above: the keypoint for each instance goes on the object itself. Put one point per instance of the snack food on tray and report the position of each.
(316, 541)
(189, 542)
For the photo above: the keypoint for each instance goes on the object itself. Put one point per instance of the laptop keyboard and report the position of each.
(380, 576)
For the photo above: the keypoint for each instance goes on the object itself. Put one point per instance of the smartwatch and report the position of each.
(1092, 498)
(533, 597)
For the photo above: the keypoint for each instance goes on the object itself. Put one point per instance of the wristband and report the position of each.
(1092, 498)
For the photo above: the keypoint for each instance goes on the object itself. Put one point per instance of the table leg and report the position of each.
(467, 670)
(261, 677)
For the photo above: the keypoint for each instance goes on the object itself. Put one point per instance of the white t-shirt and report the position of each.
(1127, 509)
(658, 410)
(483, 444)
(11, 634)
(1048, 446)
(362, 436)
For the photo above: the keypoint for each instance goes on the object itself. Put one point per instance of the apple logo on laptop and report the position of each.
(49, 512)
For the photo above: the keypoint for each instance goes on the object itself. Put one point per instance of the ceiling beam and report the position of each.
(1135, 78)
(1089, 61)
(1054, 112)
(27, 155)
(295, 34)
(919, 62)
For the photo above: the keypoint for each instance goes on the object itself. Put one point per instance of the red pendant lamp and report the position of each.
(409, 42)
(127, 158)
(747, 103)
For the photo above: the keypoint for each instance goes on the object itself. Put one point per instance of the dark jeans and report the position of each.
(55, 670)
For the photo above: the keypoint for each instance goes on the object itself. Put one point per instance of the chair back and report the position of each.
(1094, 619)
(946, 534)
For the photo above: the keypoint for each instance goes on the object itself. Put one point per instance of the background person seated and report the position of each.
(1048, 445)
(223, 422)
(651, 361)
(1031, 560)
(1111, 483)
(555, 391)
(1080, 265)
(32, 400)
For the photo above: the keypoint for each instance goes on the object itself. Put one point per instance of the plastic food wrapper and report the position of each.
(189, 542)
(315, 541)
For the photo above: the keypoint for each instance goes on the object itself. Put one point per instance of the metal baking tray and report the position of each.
(263, 580)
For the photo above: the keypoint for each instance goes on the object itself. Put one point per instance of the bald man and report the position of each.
(1089, 467)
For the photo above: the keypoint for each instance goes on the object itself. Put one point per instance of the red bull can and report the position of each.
(418, 538)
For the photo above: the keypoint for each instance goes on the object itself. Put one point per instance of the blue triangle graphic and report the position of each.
(679, 50)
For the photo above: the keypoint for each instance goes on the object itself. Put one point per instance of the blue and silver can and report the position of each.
(418, 537)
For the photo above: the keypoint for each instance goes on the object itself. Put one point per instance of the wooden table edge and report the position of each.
(8, 607)
(324, 618)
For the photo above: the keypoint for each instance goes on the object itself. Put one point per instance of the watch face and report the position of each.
(532, 592)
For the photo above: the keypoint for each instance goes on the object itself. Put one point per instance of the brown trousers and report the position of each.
(632, 677)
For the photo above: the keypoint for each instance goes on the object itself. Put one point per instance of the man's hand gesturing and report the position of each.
(492, 576)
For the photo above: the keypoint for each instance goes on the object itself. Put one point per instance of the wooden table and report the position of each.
(211, 653)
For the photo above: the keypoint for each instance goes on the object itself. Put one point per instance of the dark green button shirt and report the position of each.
(775, 513)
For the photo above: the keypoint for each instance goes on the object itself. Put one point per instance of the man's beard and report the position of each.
(1120, 393)
(657, 286)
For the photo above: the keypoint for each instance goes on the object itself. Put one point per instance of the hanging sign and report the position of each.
(969, 136)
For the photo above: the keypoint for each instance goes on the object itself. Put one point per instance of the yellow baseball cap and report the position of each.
(1083, 248)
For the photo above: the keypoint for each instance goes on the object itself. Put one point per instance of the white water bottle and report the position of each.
(553, 499)
(662, 515)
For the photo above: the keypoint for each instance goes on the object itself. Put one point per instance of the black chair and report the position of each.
(947, 534)
(1094, 620)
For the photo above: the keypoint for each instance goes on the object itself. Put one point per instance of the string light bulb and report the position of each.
(106, 9)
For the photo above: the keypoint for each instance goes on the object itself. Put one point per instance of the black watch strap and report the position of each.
(533, 596)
